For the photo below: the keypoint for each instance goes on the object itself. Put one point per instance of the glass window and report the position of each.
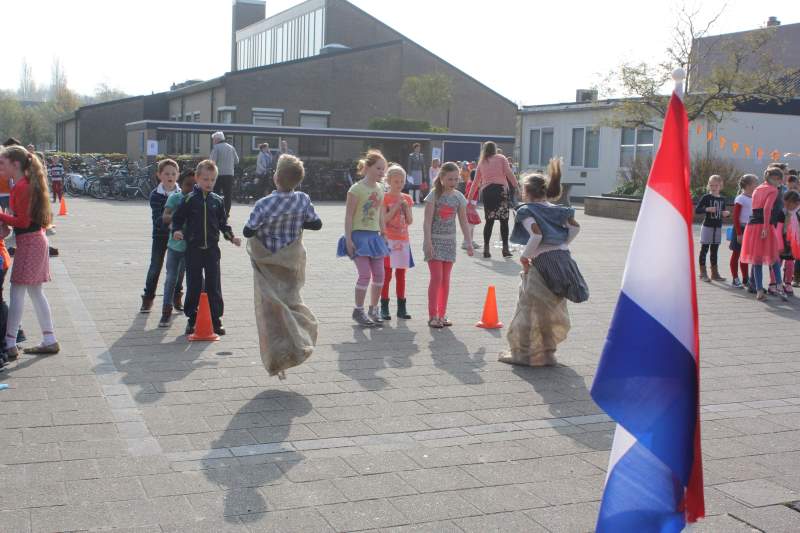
(266, 118)
(314, 146)
(534, 147)
(592, 158)
(547, 146)
(279, 51)
(636, 143)
(628, 136)
(644, 136)
(577, 147)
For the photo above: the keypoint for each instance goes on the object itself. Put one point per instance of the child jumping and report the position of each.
(167, 176)
(742, 209)
(713, 206)
(397, 214)
(287, 329)
(363, 240)
(761, 244)
(199, 220)
(443, 205)
(176, 252)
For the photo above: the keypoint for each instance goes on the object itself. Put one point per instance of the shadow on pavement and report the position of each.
(453, 356)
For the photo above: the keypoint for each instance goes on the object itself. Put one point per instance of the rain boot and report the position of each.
(385, 309)
(715, 274)
(166, 317)
(703, 273)
(401, 309)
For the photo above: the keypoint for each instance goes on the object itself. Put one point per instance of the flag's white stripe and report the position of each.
(658, 271)
(623, 441)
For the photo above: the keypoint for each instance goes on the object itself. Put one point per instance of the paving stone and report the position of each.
(287, 522)
(368, 514)
(373, 486)
(775, 518)
(439, 479)
(177, 483)
(566, 518)
(445, 526)
(499, 523)
(70, 518)
(759, 492)
(15, 521)
(104, 490)
(503, 498)
(380, 463)
(308, 494)
(566, 491)
(437, 506)
(316, 469)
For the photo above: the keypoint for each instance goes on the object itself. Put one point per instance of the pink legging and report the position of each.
(369, 267)
(439, 287)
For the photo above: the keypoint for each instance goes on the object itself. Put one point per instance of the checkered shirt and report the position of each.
(278, 218)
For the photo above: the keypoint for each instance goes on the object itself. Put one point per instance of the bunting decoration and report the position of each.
(735, 146)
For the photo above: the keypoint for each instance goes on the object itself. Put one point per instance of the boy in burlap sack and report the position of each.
(287, 329)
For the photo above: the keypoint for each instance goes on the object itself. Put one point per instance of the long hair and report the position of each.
(32, 167)
(438, 183)
(489, 149)
(538, 186)
(369, 159)
(746, 180)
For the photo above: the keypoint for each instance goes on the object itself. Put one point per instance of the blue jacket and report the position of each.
(552, 221)
(202, 218)
(157, 201)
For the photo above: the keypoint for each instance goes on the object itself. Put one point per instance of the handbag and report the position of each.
(730, 234)
(472, 214)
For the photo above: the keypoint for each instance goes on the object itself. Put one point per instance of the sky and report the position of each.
(530, 51)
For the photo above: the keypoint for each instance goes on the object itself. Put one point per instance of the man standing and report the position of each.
(226, 158)
(263, 166)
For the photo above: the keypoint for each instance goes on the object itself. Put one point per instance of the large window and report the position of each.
(585, 147)
(314, 146)
(636, 143)
(540, 148)
(296, 38)
(266, 117)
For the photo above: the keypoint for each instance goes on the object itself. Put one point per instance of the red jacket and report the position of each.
(20, 204)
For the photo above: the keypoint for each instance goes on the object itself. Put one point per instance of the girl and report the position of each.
(397, 214)
(30, 202)
(742, 209)
(493, 179)
(363, 235)
(713, 206)
(443, 204)
(434, 170)
(790, 237)
(760, 244)
(467, 178)
(541, 320)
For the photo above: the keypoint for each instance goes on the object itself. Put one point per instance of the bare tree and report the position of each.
(27, 85)
(722, 73)
(58, 78)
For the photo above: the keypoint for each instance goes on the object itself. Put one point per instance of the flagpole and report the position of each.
(678, 75)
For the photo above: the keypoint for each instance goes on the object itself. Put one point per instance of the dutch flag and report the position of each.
(648, 376)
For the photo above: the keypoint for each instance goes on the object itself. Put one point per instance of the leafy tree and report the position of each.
(429, 92)
(722, 72)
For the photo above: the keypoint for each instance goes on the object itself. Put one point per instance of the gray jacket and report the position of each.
(225, 156)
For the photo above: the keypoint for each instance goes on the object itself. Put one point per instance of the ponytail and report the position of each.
(32, 167)
(554, 182)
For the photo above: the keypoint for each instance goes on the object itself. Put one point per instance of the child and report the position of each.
(167, 176)
(176, 252)
(30, 203)
(363, 241)
(443, 205)
(742, 209)
(790, 237)
(55, 171)
(199, 220)
(434, 170)
(287, 329)
(5, 264)
(397, 214)
(467, 176)
(541, 319)
(760, 244)
(713, 206)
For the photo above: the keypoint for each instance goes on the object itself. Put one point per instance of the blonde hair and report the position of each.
(369, 159)
(746, 180)
(435, 162)
(208, 165)
(537, 185)
(32, 168)
(714, 178)
(438, 183)
(395, 170)
(289, 171)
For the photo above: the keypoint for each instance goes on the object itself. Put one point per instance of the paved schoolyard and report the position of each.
(395, 429)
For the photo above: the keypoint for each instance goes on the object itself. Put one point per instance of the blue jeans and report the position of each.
(758, 271)
(176, 267)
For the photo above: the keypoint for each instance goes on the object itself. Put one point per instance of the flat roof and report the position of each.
(296, 131)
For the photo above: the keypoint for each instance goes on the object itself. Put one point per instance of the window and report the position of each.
(585, 147)
(314, 146)
(266, 117)
(540, 149)
(636, 143)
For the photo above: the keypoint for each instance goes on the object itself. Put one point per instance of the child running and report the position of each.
(761, 244)
(397, 214)
(363, 240)
(287, 329)
(176, 252)
(713, 206)
(199, 220)
(443, 205)
(742, 209)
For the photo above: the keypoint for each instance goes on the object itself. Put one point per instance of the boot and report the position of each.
(401, 309)
(715, 274)
(177, 301)
(703, 273)
(166, 317)
(147, 304)
(385, 309)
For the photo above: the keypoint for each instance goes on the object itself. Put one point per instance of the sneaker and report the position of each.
(787, 288)
(762, 295)
(772, 290)
(147, 304)
(53, 252)
(375, 315)
(189, 327)
(361, 318)
(219, 329)
(464, 245)
(736, 284)
(476, 246)
(166, 317)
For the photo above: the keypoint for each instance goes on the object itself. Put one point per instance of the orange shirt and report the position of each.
(4, 256)
(5, 186)
(397, 226)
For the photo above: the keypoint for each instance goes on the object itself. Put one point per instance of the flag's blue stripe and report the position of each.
(641, 495)
(646, 381)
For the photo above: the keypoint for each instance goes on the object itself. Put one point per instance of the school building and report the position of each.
(320, 64)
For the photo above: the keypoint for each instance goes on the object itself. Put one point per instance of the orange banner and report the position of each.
(699, 129)
(747, 150)
(710, 135)
(722, 141)
(735, 147)
(760, 154)
(775, 155)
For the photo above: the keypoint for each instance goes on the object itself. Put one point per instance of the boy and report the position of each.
(287, 329)
(167, 175)
(55, 171)
(176, 252)
(199, 220)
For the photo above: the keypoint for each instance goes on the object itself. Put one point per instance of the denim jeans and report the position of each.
(176, 266)
(758, 272)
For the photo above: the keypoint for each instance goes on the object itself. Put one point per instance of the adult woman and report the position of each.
(493, 179)
(416, 170)
(30, 204)
(549, 277)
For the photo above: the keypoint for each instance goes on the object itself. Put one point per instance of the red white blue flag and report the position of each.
(648, 376)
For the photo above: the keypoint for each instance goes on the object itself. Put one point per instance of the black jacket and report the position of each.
(204, 218)
(157, 202)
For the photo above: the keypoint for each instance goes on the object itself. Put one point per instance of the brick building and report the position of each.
(319, 64)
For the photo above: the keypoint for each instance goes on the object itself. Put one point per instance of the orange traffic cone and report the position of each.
(62, 211)
(203, 330)
(489, 320)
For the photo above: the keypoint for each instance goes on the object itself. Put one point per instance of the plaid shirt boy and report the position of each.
(278, 219)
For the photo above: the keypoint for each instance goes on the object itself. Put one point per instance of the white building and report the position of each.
(597, 156)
